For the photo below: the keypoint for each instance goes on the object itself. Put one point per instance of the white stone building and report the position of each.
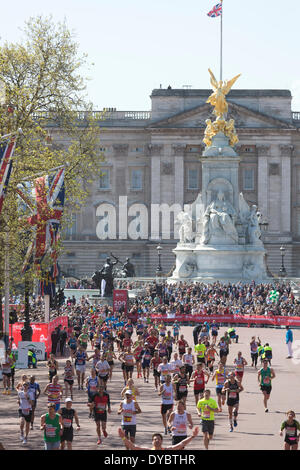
(152, 157)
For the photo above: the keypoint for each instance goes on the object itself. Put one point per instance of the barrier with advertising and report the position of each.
(41, 332)
(120, 299)
(233, 319)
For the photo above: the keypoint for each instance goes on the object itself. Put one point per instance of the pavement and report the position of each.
(256, 429)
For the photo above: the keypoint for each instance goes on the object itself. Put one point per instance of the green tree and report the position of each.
(45, 96)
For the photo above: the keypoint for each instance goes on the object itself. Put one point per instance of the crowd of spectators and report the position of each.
(185, 298)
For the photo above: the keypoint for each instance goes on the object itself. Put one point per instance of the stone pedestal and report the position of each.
(220, 262)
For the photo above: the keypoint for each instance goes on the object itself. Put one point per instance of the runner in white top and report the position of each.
(102, 367)
(25, 411)
(189, 361)
(165, 368)
(167, 391)
(179, 421)
(176, 364)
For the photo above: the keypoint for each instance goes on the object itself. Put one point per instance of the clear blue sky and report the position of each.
(138, 45)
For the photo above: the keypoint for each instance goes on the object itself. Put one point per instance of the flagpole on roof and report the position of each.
(221, 42)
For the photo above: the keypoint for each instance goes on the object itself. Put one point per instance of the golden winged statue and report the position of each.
(217, 98)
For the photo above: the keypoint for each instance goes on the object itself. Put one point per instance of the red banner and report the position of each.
(233, 319)
(120, 299)
(41, 332)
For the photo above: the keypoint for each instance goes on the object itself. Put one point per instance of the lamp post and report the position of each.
(282, 271)
(159, 268)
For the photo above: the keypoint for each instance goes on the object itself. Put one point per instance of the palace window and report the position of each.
(136, 180)
(104, 182)
(248, 179)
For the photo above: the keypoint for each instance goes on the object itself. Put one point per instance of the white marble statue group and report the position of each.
(220, 223)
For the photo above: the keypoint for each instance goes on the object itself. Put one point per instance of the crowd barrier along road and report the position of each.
(232, 319)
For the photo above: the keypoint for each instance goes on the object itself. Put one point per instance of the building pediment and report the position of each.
(243, 116)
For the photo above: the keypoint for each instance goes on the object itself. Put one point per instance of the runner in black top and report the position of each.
(233, 389)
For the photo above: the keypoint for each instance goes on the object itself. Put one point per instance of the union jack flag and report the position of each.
(6, 152)
(216, 11)
(46, 203)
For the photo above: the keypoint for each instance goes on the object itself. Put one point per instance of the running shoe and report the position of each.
(231, 429)
(266, 410)
(105, 434)
(24, 441)
(21, 437)
(235, 423)
(99, 441)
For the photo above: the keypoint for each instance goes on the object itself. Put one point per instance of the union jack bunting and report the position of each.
(46, 203)
(216, 11)
(6, 153)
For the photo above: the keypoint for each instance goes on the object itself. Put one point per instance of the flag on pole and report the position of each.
(6, 153)
(216, 11)
(46, 203)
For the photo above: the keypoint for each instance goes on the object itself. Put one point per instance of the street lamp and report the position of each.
(159, 268)
(282, 271)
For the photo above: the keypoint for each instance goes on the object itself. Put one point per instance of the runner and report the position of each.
(80, 360)
(254, 345)
(233, 389)
(52, 365)
(52, 425)
(127, 358)
(214, 332)
(129, 409)
(181, 382)
(220, 377)
(290, 426)
(240, 364)
(164, 368)
(54, 392)
(34, 392)
(176, 329)
(265, 377)
(170, 341)
(189, 361)
(110, 356)
(83, 338)
(176, 364)
(182, 344)
(147, 362)
(207, 407)
(103, 368)
(210, 357)
(100, 406)
(69, 374)
(167, 391)
(25, 411)
(6, 373)
(68, 414)
(72, 343)
(224, 349)
(157, 440)
(12, 367)
(178, 422)
(200, 350)
(198, 377)
(137, 352)
(130, 386)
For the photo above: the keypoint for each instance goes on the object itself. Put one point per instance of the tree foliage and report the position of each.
(45, 97)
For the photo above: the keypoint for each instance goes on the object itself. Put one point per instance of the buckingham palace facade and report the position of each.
(151, 159)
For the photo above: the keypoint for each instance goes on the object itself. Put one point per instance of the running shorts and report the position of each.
(208, 426)
(164, 408)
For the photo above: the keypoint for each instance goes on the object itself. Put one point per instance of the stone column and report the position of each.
(154, 151)
(263, 180)
(286, 152)
(178, 151)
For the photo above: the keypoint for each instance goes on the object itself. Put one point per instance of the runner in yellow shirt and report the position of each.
(207, 407)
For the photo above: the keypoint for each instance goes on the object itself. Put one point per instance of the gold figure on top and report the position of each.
(218, 100)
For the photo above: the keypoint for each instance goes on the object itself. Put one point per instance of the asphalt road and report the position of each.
(256, 429)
